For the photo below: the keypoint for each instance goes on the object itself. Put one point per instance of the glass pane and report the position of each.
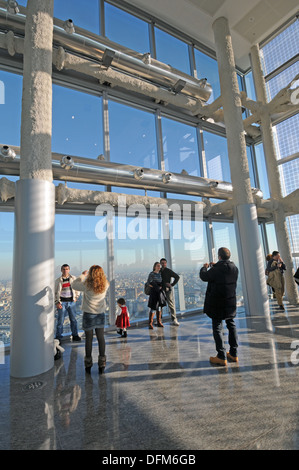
(216, 155)
(126, 29)
(250, 89)
(86, 15)
(135, 252)
(132, 136)
(207, 67)
(287, 137)
(282, 48)
(289, 174)
(271, 236)
(187, 259)
(172, 51)
(180, 147)
(77, 245)
(224, 235)
(10, 106)
(262, 170)
(274, 85)
(294, 232)
(6, 256)
(77, 123)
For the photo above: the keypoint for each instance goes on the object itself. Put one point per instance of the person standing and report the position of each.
(157, 297)
(275, 269)
(94, 285)
(220, 304)
(122, 321)
(65, 302)
(167, 275)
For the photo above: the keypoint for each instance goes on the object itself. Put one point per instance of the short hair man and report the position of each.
(167, 274)
(65, 301)
(221, 304)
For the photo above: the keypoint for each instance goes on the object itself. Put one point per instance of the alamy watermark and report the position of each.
(150, 222)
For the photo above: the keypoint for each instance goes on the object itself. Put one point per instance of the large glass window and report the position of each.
(262, 170)
(188, 256)
(126, 29)
(138, 245)
(10, 108)
(77, 123)
(132, 136)
(180, 147)
(77, 245)
(172, 51)
(216, 156)
(224, 235)
(281, 48)
(6, 254)
(206, 67)
(86, 15)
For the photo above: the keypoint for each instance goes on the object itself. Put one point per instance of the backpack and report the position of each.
(147, 289)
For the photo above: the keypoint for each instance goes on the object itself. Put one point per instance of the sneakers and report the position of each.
(232, 358)
(175, 322)
(219, 362)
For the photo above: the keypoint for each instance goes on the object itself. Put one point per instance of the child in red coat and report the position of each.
(122, 320)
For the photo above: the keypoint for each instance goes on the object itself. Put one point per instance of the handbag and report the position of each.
(147, 289)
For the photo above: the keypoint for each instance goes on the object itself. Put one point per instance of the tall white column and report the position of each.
(282, 234)
(32, 327)
(245, 214)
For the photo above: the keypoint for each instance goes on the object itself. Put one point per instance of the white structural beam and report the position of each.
(32, 327)
(245, 214)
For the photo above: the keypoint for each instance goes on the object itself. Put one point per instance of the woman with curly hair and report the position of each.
(94, 285)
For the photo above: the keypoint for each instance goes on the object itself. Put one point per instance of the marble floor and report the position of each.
(159, 392)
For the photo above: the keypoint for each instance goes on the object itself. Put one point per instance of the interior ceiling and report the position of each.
(250, 21)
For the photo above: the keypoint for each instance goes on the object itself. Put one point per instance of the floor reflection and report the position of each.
(159, 391)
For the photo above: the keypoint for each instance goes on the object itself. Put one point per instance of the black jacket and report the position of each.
(220, 301)
(167, 274)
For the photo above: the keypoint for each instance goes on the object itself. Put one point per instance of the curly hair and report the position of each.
(96, 279)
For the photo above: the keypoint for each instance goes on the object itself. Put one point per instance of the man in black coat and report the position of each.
(220, 303)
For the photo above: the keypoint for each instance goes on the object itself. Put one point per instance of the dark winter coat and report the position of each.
(220, 300)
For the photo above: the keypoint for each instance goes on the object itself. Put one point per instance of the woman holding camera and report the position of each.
(94, 285)
(275, 269)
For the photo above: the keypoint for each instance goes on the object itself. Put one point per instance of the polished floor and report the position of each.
(160, 392)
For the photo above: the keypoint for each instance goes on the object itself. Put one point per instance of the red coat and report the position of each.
(122, 320)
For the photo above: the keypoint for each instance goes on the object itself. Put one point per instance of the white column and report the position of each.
(32, 327)
(245, 214)
(282, 234)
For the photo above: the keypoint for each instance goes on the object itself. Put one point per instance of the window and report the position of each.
(224, 235)
(77, 123)
(262, 170)
(216, 156)
(77, 245)
(126, 29)
(6, 253)
(188, 256)
(172, 51)
(86, 15)
(138, 245)
(206, 67)
(10, 108)
(132, 136)
(281, 48)
(180, 147)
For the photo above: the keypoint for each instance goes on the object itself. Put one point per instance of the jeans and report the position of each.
(70, 308)
(218, 337)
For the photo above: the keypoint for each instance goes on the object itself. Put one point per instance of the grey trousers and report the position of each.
(170, 303)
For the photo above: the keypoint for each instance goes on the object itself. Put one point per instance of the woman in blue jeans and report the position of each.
(221, 304)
